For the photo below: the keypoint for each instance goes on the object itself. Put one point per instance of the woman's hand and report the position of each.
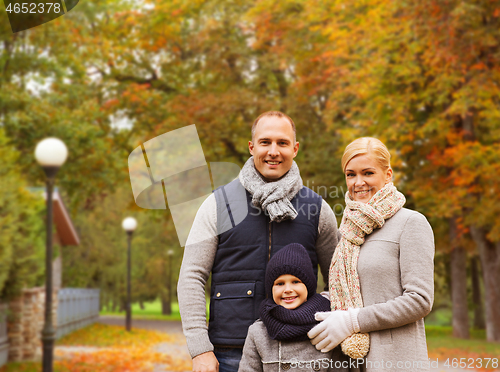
(334, 328)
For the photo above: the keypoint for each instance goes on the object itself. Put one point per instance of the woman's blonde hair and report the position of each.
(367, 145)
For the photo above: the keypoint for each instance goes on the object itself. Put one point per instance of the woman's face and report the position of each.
(364, 177)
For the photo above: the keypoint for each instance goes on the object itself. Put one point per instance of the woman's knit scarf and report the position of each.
(292, 324)
(274, 197)
(359, 219)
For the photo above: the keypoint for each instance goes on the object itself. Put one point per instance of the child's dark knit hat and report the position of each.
(292, 259)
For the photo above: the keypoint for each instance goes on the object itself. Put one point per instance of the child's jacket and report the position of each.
(262, 354)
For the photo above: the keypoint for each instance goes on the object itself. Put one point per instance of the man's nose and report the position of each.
(273, 150)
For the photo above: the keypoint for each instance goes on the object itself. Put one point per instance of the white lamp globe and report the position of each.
(129, 224)
(51, 152)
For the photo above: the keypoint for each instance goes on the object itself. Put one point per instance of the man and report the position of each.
(280, 211)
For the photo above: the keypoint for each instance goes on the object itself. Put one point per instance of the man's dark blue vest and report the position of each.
(243, 252)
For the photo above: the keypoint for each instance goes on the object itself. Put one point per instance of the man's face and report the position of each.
(273, 147)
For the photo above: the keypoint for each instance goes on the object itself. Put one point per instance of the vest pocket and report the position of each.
(233, 309)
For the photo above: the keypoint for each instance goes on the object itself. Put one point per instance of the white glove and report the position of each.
(334, 328)
(326, 295)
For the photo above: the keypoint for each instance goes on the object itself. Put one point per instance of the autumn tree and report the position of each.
(422, 77)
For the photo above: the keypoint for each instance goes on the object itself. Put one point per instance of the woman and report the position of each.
(382, 274)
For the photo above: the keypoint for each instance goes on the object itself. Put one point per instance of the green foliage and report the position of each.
(22, 232)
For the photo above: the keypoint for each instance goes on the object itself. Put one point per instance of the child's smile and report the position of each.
(289, 291)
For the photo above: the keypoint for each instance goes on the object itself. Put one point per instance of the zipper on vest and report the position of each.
(269, 253)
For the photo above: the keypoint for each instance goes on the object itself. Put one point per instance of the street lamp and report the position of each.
(170, 254)
(50, 153)
(129, 224)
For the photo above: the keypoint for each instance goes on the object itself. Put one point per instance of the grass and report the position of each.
(440, 343)
(151, 311)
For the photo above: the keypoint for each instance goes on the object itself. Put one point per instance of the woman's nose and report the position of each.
(359, 181)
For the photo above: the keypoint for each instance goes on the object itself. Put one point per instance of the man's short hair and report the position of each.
(277, 114)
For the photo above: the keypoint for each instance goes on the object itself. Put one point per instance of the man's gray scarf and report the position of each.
(274, 197)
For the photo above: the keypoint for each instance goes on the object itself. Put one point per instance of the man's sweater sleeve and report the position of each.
(327, 239)
(199, 255)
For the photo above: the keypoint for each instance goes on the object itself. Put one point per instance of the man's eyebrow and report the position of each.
(269, 139)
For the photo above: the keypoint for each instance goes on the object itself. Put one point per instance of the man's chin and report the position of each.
(272, 176)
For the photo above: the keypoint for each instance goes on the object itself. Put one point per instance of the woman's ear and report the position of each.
(388, 176)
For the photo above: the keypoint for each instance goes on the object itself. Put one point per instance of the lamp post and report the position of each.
(50, 153)
(170, 255)
(129, 224)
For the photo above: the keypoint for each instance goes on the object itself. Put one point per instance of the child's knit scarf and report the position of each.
(292, 325)
(359, 219)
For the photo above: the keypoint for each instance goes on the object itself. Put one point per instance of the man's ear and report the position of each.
(295, 149)
(250, 147)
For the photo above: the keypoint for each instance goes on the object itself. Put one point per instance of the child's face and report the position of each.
(289, 291)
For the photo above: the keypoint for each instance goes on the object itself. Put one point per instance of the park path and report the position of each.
(179, 349)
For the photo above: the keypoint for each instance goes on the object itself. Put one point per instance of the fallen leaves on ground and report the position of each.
(102, 335)
(106, 348)
(474, 353)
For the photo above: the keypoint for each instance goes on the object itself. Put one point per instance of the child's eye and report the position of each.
(297, 282)
(280, 283)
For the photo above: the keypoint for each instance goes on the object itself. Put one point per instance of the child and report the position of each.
(278, 340)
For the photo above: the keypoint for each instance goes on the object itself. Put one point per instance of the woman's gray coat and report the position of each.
(396, 273)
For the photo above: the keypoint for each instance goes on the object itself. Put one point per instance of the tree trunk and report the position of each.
(460, 321)
(490, 263)
(166, 308)
(476, 295)
(141, 305)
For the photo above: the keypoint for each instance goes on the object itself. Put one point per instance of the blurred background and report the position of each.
(421, 76)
